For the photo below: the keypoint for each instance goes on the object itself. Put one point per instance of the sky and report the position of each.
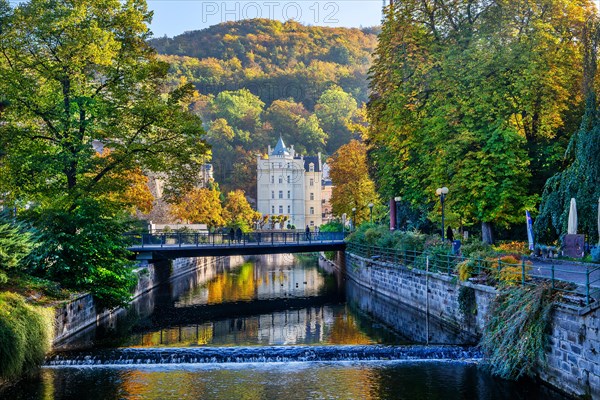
(173, 17)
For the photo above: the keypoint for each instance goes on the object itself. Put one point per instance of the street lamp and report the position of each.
(397, 201)
(442, 192)
(371, 212)
(353, 218)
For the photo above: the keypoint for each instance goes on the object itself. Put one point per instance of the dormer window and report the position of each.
(311, 167)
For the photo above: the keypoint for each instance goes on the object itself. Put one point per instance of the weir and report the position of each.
(265, 354)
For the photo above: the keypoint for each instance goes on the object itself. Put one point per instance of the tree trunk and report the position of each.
(487, 233)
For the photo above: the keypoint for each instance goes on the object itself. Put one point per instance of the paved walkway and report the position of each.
(569, 272)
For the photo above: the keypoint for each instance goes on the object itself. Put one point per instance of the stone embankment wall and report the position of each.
(573, 355)
(80, 313)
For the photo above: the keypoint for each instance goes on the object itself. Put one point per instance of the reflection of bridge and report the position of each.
(158, 246)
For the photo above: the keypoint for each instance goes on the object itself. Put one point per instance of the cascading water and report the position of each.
(266, 354)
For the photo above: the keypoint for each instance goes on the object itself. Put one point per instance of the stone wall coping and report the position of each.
(484, 288)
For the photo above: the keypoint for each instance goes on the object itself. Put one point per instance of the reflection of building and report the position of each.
(290, 185)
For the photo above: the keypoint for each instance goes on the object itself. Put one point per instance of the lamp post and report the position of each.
(397, 201)
(442, 192)
(353, 218)
(371, 212)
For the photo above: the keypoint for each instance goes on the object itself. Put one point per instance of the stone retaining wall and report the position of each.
(573, 356)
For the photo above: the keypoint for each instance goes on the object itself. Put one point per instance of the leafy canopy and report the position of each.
(87, 110)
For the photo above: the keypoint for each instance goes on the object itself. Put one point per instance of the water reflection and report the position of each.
(271, 300)
(333, 324)
(381, 380)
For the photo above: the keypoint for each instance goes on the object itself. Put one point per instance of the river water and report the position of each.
(274, 327)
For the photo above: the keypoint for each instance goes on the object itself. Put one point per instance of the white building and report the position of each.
(290, 184)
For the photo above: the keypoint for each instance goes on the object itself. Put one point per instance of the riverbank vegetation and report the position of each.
(516, 334)
(26, 333)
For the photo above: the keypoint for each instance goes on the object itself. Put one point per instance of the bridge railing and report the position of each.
(197, 239)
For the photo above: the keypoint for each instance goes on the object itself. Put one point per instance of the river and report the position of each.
(274, 327)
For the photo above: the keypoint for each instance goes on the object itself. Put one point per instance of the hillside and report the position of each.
(258, 79)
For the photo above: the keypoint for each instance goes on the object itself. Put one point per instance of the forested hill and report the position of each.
(273, 59)
(273, 44)
(260, 78)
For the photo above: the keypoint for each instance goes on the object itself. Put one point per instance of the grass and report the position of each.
(26, 333)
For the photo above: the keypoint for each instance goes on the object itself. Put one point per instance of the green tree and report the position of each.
(94, 258)
(310, 135)
(352, 186)
(335, 109)
(79, 77)
(581, 178)
(241, 109)
(474, 96)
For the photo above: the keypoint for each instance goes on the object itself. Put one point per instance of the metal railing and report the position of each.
(198, 239)
(577, 283)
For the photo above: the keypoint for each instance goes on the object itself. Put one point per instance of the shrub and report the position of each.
(25, 335)
(467, 302)
(332, 226)
(15, 244)
(515, 247)
(466, 269)
(511, 272)
(477, 249)
(372, 235)
(411, 240)
(596, 254)
(439, 259)
(514, 337)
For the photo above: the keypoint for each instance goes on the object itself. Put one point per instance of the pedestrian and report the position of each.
(307, 232)
(449, 234)
(238, 233)
(231, 235)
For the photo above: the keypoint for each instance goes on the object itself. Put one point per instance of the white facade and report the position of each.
(289, 185)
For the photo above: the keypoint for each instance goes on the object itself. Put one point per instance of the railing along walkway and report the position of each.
(572, 280)
(205, 239)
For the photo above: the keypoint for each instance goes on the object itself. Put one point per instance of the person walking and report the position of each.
(307, 232)
(449, 234)
(238, 234)
(231, 235)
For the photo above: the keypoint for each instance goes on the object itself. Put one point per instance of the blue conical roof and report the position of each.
(280, 149)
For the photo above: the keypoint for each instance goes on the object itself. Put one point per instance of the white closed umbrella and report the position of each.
(572, 225)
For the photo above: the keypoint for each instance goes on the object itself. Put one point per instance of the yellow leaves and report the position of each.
(138, 193)
(199, 206)
(238, 211)
(353, 188)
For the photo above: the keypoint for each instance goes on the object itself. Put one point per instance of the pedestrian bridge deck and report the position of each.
(159, 246)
